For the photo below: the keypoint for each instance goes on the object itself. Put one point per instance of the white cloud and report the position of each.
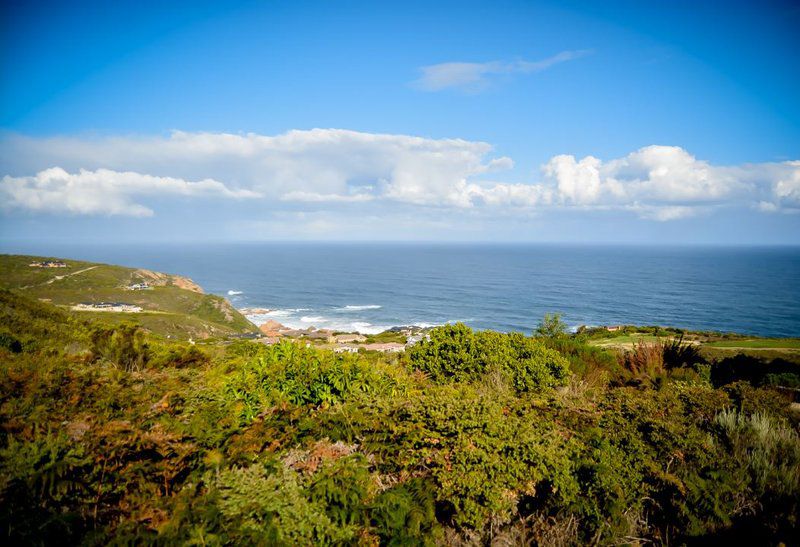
(314, 197)
(476, 76)
(664, 213)
(667, 183)
(334, 168)
(510, 195)
(102, 191)
(576, 181)
(786, 189)
(315, 165)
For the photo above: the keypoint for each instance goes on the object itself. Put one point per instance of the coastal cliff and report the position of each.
(166, 304)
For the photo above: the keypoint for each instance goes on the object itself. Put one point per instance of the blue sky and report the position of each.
(524, 121)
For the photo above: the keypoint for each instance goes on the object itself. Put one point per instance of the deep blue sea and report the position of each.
(370, 287)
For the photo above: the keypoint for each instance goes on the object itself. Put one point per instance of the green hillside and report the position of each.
(173, 305)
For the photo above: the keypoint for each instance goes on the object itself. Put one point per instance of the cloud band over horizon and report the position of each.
(338, 168)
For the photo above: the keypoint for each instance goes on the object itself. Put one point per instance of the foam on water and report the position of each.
(291, 318)
(313, 319)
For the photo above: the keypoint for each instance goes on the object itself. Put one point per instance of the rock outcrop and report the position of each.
(158, 279)
(272, 328)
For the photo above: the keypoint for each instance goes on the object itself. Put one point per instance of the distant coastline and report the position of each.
(749, 290)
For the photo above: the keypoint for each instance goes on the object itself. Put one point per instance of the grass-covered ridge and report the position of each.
(112, 435)
(173, 305)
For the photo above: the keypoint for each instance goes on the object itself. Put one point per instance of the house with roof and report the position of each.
(138, 287)
(386, 347)
(349, 338)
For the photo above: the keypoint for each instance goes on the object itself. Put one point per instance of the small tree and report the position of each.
(551, 326)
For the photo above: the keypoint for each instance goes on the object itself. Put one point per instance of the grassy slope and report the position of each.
(169, 309)
(713, 346)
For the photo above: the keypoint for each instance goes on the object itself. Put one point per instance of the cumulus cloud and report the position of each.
(476, 76)
(786, 189)
(102, 191)
(337, 168)
(316, 165)
(667, 183)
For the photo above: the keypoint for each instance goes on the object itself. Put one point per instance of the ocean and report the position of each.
(369, 287)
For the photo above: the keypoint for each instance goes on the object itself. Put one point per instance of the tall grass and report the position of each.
(768, 448)
(651, 359)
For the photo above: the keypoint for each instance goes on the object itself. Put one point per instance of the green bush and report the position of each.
(148, 441)
(406, 514)
(123, 345)
(288, 372)
(263, 507)
(767, 448)
(454, 353)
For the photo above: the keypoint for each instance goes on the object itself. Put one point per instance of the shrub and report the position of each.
(288, 372)
(271, 508)
(342, 487)
(766, 447)
(43, 489)
(455, 353)
(449, 353)
(10, 343)
(123, 345)
(583, 358)
(644, 360)
(678, 353)
(406, 514)
(551, 326)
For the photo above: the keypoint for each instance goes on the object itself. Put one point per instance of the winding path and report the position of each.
(57, 278)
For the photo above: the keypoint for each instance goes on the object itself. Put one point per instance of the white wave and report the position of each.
(363, 327)
(293, 318)
(424, 325)
(233, 293)
(313, 319)
(288, 312)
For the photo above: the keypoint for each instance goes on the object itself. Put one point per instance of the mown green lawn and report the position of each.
(626, 339)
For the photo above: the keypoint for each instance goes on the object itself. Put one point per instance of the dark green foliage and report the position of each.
(751, 369)
(288, 372)
(342, 487)
(454, 353)
(43, 488)
(124, 345)
(551, 326)
(406, 514)
(10, 343)
(450, 353)
(678, 353)
(112, 436)
(583, 358)
(178, 356)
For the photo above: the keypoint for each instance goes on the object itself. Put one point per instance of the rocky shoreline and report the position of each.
(393, 340)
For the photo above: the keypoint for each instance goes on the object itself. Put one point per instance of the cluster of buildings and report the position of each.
(273, 332)
(107, 306)
(138, 287)
(385, 347)
(48, 264)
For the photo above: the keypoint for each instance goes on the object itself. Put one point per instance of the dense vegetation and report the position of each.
(113, 435)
